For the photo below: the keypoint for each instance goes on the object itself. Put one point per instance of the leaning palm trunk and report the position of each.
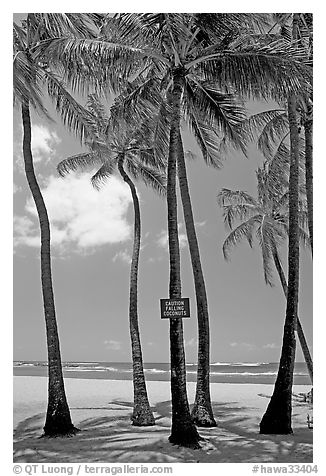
(202, 413)
(58, 421)
(301, 336)
(308, 125)
(278, 416)
(183, 431)
(142, 414)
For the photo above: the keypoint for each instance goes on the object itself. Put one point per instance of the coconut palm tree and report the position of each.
(266, 218)
(129, 150)
(278, 416)
(308, 128)
(31, 74)
(184, 56)
(283, 22)
(222, 112)
(305, 30)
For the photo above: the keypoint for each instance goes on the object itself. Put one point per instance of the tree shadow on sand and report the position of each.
(112, 438)
(239, 441)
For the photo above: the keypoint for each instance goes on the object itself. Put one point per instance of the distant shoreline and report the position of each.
(220, 372)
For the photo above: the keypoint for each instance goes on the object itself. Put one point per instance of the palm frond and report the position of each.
(84, 161)
(19, 38)
(54, 25)
(207, 139)
(244, 231)
(237, 212)
(221, 111)
(223, 28)
(304, 238)
(138, 28)
(274, 132)
(262, 69)
(73, 115)
(255, 124)
(237, 205)
(266, 239)
(277, 168)
(235, 197)
(106, 63)
(150, 138)
(103, 173)
(27, 78)
(160, 124)
(150, 176)
(96, 108)
(139, 101)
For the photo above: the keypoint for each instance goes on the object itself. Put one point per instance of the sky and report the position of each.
(91, 248)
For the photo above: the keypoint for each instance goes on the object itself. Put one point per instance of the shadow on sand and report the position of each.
(108, 438)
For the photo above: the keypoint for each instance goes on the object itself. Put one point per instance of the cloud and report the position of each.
(112, 344)
(44, 142)
(16, 188)
(200, 224)
(270, 346)
(80, 215)
(151, 259)
(123, 256)
(25, 232)
(191, 342)
(162, 238)
(244, 345)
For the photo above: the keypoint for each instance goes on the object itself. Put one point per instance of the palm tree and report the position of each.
(31, 74)
(308, 127)
(205, 107)
(125, 148)
(185, 57)
(278, 416)
(304, 34)
(266, 218)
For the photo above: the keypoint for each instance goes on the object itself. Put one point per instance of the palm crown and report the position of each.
(33, 75)
(109, 144)
(140, 54)
(264, 217)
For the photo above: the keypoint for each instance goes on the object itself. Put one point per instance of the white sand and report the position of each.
(102, 409)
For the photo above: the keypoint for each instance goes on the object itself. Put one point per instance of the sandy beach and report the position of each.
(102, 409)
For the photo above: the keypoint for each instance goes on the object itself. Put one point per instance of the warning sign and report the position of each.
(175, 308)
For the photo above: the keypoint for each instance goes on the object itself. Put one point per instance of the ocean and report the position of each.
(220, 372)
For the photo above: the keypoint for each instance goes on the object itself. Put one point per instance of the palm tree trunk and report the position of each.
(183, 431)
(58, 421)
(278, 416)
(308, 125)
(202, 413)
(301, 336)
(142, 414)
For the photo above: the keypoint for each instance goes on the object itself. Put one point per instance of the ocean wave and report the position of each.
(247, 374)
(156, 371)
(241, 364)
(97, 368)
(67, 369)
(23, 364)
(241, 374)
(114, 369)
(256, 374)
